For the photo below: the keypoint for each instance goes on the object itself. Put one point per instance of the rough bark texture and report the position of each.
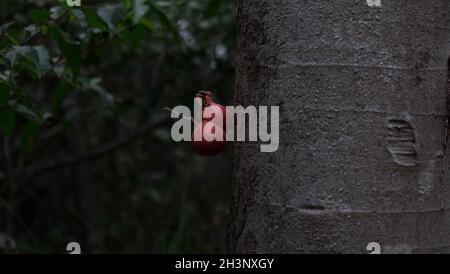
(363, 127)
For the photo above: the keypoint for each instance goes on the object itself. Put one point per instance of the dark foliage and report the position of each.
(86, 153)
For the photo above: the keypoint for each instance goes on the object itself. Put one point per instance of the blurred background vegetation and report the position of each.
(86, 153)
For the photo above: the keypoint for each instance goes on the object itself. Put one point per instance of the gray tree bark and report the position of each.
(363, 95)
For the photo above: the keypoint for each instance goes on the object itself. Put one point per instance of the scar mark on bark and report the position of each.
(312, 207)
(401, 142)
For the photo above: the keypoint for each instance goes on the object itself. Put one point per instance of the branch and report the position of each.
(180, 115)
(94, 153)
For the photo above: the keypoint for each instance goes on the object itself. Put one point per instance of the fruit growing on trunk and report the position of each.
(213, 136)
(208, 146)
(209, 106)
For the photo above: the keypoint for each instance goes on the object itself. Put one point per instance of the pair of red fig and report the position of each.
(207, 129)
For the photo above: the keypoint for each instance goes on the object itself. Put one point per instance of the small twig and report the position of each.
(94, 153)
(179, 114)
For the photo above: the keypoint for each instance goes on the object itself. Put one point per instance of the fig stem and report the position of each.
(179, 114)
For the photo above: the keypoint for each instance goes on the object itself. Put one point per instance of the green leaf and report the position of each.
(4, 94)
(28, 52)
(59, 94)
(78, 15)
(44, 59)
(25, 51)
(165, 21)
(26, 106)
(11, 56)
(140, 8)
(127, 4)
(147, 24)
(25, 65)
(7, 122)
(39, 16)
(56, 12)
(94, 20)
(36, 59)
(28, 113)
(31, 29)
(137, 34)
(5, 27)
(70, 50)
(112, 15)
(14, 36)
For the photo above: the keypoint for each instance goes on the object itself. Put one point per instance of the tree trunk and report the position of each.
(363, 127)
